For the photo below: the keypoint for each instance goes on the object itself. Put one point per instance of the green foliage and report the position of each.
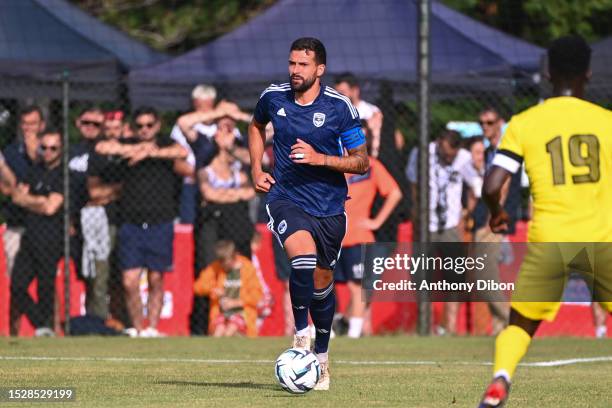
(174, 25)
(540, 21)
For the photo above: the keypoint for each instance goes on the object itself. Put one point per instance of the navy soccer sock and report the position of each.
(322, 309)
(301, 288)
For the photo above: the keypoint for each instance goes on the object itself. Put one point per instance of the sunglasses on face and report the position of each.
(148, 125)
(487, 122)
(91, 123)
(44, 148)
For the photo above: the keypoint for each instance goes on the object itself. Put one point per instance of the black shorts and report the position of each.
(287, 218)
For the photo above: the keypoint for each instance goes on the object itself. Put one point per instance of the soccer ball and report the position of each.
(297, 370)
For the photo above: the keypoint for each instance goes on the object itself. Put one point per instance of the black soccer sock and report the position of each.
(301, 287)
(322, 309)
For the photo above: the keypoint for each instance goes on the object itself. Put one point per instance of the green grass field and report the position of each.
(373, 372)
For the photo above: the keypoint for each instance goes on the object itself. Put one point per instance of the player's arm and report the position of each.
(507, 161)
(356, 162)
(492, 194)
(257, 138)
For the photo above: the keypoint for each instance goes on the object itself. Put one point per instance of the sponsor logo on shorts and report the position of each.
(282, 227)
(318, 119)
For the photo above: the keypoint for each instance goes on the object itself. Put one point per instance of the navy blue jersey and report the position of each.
(329, 124)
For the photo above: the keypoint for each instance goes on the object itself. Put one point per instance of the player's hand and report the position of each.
(499, 222)
(263, 181)
(303, 153)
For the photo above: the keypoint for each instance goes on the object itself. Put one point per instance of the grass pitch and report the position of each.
(373, 372)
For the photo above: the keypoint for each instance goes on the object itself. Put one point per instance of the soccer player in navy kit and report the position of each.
(313, 126)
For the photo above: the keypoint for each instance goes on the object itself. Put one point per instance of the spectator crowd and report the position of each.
(130, 182)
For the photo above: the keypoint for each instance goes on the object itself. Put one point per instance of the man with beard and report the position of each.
(41, 195)
(313, 126)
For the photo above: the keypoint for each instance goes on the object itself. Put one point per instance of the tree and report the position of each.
(540, 21)
(174, 26)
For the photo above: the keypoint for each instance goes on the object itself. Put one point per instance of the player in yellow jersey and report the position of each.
(566, 146)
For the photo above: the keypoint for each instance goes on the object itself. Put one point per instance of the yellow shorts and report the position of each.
(545, 272)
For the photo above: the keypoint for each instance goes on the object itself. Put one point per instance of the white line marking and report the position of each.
(554, 363)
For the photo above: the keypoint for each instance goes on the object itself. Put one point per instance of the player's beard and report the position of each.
(306, 84)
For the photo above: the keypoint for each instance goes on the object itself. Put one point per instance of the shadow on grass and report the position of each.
(245, 385)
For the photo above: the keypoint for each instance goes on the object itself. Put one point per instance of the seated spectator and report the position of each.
(233, 287)
(226, 190)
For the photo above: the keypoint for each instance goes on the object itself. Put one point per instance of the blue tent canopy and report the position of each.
(375, 39)
(42, 39)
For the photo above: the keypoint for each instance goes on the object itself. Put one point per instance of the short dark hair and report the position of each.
(51, 131)
(26, 110)
(452, 137)
(471, 141)
(311, 44)
(490, 108)
(569, 57)
(347, 77)
(145, 110)
(90, 108)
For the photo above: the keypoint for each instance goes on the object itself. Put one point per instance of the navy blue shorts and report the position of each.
(355, 259)
(146, 246)
(287, 218)
(350, 264)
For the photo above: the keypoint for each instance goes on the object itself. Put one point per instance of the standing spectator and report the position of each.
(19, 156)
(348, 85)
(89, 123)
(231, 283)
(113, 124)
(225, 190)
(492, 127)
(41, 194)
(100, 218)
(448, 170)
(93, 241)
(194, 131)
(147, 207)
(363, 189)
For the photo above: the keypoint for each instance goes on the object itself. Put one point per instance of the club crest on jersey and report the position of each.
(318, 119)
(282, 227)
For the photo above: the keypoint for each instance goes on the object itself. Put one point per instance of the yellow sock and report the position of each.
(510, 347)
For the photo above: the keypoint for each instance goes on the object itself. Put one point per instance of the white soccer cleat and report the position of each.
(302, 342)
(324, 380)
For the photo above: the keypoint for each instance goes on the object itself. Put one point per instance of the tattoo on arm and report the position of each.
(356, 162)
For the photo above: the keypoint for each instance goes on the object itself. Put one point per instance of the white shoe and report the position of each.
(131, 332)
(601, 332)
(302, 342)
(44, 332)
(324, 380)
(150, 332)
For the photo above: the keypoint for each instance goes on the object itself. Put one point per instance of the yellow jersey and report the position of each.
(566, 146)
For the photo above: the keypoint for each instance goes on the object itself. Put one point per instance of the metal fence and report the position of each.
(134, 205)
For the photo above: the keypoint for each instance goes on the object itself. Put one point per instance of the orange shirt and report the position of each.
(214, 276)
(362, 191)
